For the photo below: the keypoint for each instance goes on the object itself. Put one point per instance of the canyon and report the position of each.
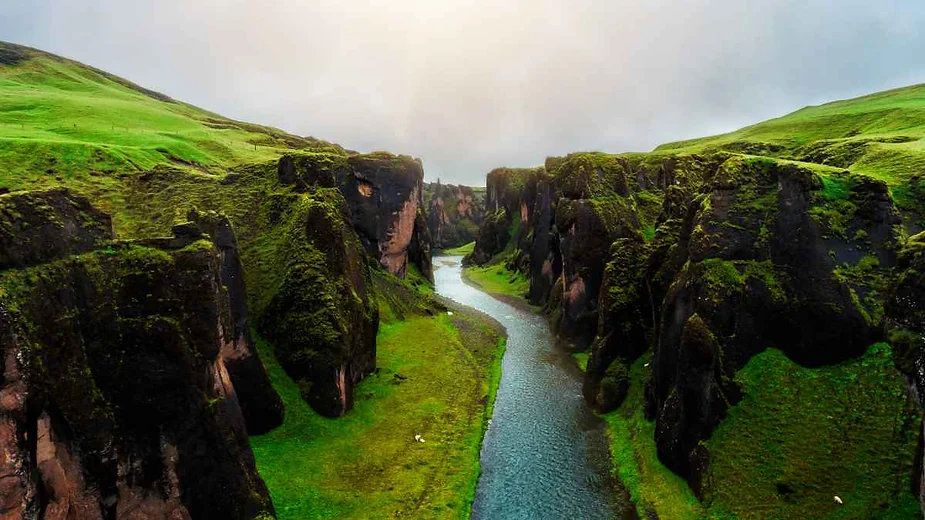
(224, 320)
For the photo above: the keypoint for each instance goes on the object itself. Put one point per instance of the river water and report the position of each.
(545, 453)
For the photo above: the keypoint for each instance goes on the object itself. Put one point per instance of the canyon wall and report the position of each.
(702, 262)
(454, 213)
(123, 362)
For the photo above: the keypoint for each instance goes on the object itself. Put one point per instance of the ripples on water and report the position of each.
(545, 453)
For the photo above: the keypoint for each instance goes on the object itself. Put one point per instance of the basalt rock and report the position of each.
(506, 212)
(317, 307)
(50, 224)
(758, 272)
(385, 196)
(454, 213)
(260, 404)
(905, 310)
(116, 401)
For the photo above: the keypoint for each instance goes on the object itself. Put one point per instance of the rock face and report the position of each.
(385, 196)
(116, 398)
(905, 310)
(319, 311)
(506, 209)
(454, 214)
(758, 273)
(704, 261)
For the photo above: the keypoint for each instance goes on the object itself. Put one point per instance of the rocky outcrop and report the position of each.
(385, 195)
(704, 261)
(905, 310)
(260, 404)
(52, 223)
(317, 304)
(116, 399)
(506, 210)
(454, 213)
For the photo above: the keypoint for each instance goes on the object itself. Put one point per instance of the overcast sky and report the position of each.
(468, 85)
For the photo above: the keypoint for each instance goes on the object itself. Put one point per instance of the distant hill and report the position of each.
(881, 135)
(63, 122)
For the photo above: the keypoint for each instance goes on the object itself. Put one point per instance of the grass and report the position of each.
(801, 436)
(437, 378)
(797, 438)
(651, 485)
(881, 135)
(499, 280)
(64, 123)
(462, 250)
(581, 358)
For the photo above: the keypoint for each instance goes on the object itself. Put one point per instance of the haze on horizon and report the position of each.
(468, 85)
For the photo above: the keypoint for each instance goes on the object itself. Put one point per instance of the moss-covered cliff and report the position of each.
(695, 265)
(454, 213)
(122, 367)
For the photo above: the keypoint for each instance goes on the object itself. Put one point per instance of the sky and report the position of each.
(470, 85)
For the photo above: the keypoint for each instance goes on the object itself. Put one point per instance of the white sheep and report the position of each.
(838, 500)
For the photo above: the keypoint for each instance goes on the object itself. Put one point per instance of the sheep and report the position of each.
(838, 500)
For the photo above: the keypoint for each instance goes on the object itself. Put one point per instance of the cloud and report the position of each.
(468, 85)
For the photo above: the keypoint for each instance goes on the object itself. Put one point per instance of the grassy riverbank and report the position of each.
(462, 250)
(437, 377)
(496, 279)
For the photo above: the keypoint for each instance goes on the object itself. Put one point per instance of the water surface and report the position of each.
(545, 453)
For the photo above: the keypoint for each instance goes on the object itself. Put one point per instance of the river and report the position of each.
(545, 453)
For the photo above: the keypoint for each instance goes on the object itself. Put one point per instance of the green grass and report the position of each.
(581, 358)
(881, 135)
(461, 250)
(497, 279)
(437, 377)
(797, 438)
(64, 123)
(651, 485)
(801, 436)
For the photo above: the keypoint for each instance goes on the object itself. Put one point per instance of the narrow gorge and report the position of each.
(206, 318)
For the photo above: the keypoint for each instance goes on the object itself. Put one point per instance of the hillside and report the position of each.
(66, 123)
(881, 135)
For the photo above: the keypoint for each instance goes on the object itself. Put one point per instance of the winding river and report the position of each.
(545, 453)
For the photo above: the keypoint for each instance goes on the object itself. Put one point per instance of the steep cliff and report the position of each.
(121, 361)
(454, 213)
(682, 271)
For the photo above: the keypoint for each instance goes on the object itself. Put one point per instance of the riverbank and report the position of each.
(436, 377)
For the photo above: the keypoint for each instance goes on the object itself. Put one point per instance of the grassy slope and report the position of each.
(881, 135)
(62, 122)
(462, 250)
(437, 377)
(498, 279)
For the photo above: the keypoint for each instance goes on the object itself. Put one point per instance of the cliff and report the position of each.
(122, 363)
(454, 213)
(680, 271)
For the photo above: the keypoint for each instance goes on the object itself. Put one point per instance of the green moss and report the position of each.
(871, 280)
(723, 277)
(651, 485)
(800, 436)
(436, 378)
(581, 358)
